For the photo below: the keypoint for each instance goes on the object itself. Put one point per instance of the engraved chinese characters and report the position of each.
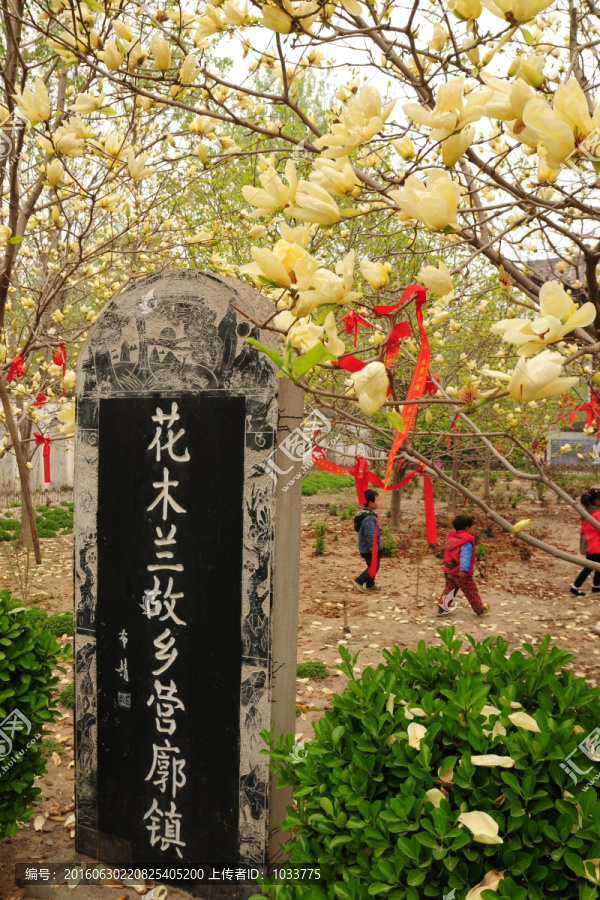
(175, 574)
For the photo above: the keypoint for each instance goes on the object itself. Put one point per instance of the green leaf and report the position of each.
(107, 110)
(16, 239)
(396, 421)
(379, 888)
(529, 39)
(316, 354)
(278, 360)
(327, 805)
(93, 4)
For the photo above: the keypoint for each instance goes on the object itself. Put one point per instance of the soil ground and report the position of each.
(528, 594)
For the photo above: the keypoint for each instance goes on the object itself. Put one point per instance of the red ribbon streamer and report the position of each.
(59, 358)
(45, 440)
(40, 400)
(352, 320)
(16, 368)
(415, 391)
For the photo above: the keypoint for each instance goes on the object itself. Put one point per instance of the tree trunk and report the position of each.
(25, 536)
(396, 501)
(486, 477)
(453, 493)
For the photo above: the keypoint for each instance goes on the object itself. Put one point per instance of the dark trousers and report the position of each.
(364, 577)
(595, 557)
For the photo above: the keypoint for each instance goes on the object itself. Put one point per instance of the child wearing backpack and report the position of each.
(365, 522)
(459, 559)
(589, 542)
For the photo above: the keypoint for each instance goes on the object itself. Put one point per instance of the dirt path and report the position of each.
(529, 598)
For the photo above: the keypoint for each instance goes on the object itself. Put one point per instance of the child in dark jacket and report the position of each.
(366, 531)
(589, 542)
(459, 560)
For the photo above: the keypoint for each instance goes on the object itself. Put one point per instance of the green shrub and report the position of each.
(66, 696)
(333, 510)
(35, 616)
(389, 544)
(50, 520)
(319, 531)
(61, 623)
(28, 656)
(312, 669)
(481, 551)
(369, 810)
(350, 511)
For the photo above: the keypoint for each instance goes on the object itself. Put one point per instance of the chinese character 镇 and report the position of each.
(170, 823)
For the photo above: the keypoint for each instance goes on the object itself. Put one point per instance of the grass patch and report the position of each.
(321, 482)
(49, 747)
(314, 669)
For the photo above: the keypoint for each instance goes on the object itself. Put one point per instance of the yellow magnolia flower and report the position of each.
(274, 195)
(210, 23)
(235, 14)
(435, 796)
(314, 205)
(559, 316)
(34, 104)
(67, 417)
(336, 176)
(371, 385)
(516, 11)
(507, 100)
(304, 334)
(136, 165)
(522, 720)
(491, 759)
(276, 19)
(161, 52)
(334, 344)
(555, 136)
(490, 882)
(189, 70)
(465, 9)
(536, 378)
(523, 525)
(375, 273)
(287, 265)
(484, 828)
(88, 103)
(438, 38)
(360, 119)
(329, 287)
(111, 56)
(5, 234)
(122, 30)
(436, 279)
(455, 147)
(435, 204)
(452, 111)
(404, 147)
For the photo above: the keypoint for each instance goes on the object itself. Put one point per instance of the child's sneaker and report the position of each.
(361, 587)
(442, 611)
(375, 587)
(485, 611)
(577, 592)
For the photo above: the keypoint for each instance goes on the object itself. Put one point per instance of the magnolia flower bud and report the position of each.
(160, 52)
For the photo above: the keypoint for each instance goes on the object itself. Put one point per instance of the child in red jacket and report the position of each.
(589, 542)
(459, 560)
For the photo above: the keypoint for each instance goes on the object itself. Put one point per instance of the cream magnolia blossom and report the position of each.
(523, 525)
(305, 334)
(454, 147)
(336, 176)
(329, 287)
(559, 316)
(416, 732)
(361, 118)
(111, 56)
(435, 796)
(210, 23)
(136, 165)
(314, 204)
(452, 111)
(161, 52)
(235, 14)
(370, 385)
(436, 279)
(375, 273)
(276, 19)
(404, 147)
(5, 234)
(88, 103)
(483, 827)
(334, 345)
(536, 378)
(516, 11)
(465, 9)
(274, 195)
(492, 759)
(490, 882)
(434, 203)
(507, 100)
(35, 104)
(523, 720)
(189, 70)
(67, 417)
(55, 172)
(287, 264)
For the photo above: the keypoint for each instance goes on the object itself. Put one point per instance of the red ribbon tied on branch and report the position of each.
(16, 367)
(45, 440)
(352, 320)
(59, 358)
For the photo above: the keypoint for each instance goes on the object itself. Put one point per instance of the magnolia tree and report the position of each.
(456, 147)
